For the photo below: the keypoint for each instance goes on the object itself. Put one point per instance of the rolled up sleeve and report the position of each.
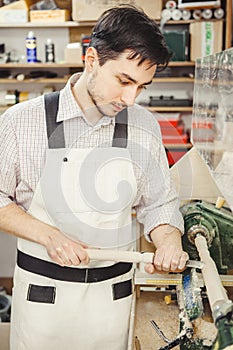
(159, 203)
(9, 165)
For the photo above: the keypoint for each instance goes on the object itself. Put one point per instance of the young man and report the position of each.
(73, 166)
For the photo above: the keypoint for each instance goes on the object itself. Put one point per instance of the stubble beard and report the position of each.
(94, 98)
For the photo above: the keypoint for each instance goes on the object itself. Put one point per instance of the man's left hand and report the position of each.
(169, 255)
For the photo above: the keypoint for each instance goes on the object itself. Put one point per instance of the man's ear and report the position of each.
(91, 58)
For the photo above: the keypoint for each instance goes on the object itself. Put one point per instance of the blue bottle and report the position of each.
(31, 47)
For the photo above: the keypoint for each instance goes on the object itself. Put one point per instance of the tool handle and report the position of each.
(118, 255)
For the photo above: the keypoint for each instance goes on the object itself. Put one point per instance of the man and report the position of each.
(73, 166)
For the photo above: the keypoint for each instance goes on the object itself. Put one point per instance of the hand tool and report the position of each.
(130, 256)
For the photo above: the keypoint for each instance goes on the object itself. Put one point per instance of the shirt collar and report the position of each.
(69, 108)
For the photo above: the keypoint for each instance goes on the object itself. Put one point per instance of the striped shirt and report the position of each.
(24, 144)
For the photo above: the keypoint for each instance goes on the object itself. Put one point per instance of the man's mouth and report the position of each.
(118, 107)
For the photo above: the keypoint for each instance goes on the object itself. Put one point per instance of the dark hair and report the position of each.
(126, 27)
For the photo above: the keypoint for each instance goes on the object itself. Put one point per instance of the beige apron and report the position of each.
(88, 194)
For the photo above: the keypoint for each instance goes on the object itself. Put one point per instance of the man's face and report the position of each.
(117, 83)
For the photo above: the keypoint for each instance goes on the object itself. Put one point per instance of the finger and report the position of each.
(175, 261)
(159, 259)
(183, 259)
(71, 254)
(149, 268)
(74, 259)
(61, 253)
(83, 256)
(55, 257)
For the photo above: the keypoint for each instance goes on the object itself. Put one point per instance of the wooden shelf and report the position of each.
(67, 24)
(173, 80)
(169, 109)
(39, 80)
(40, 65)
(192, 21)
(181, 64)
(180, 22)
(72, 24)
(73, 65)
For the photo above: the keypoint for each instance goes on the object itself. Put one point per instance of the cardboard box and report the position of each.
(15, 12)
(4, 336)
(90, 10)
(64, 4)
(206, 38)
(13, 16)
(49, 15)
(73, 53)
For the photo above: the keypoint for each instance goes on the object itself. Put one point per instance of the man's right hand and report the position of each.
(64, 250)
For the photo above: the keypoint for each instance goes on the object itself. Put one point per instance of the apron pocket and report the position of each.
(41, 294)
(122, 289)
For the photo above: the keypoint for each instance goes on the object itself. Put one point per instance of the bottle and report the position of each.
(171, 5)
(49, 51)
(3, 55)
(85, 40)
(197, 14)
(176, 15)
(166, 14)
(219, 13)
(207, 14)
(31, 47)
(186, 15)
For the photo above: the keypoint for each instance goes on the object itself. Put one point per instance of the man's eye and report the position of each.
(123, 82)
(142, 87)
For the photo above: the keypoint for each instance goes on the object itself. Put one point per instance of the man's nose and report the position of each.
(129, 95)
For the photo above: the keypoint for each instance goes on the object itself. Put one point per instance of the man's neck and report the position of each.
(84, 101)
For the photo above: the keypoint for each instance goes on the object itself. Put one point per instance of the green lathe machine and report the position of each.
(216, 225)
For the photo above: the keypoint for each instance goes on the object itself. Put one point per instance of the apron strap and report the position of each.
(120, 136)
(55, 131)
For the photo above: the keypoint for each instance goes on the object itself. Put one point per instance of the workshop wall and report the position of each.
(7, 255)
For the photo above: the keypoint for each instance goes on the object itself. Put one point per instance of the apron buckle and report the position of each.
(86, 276)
